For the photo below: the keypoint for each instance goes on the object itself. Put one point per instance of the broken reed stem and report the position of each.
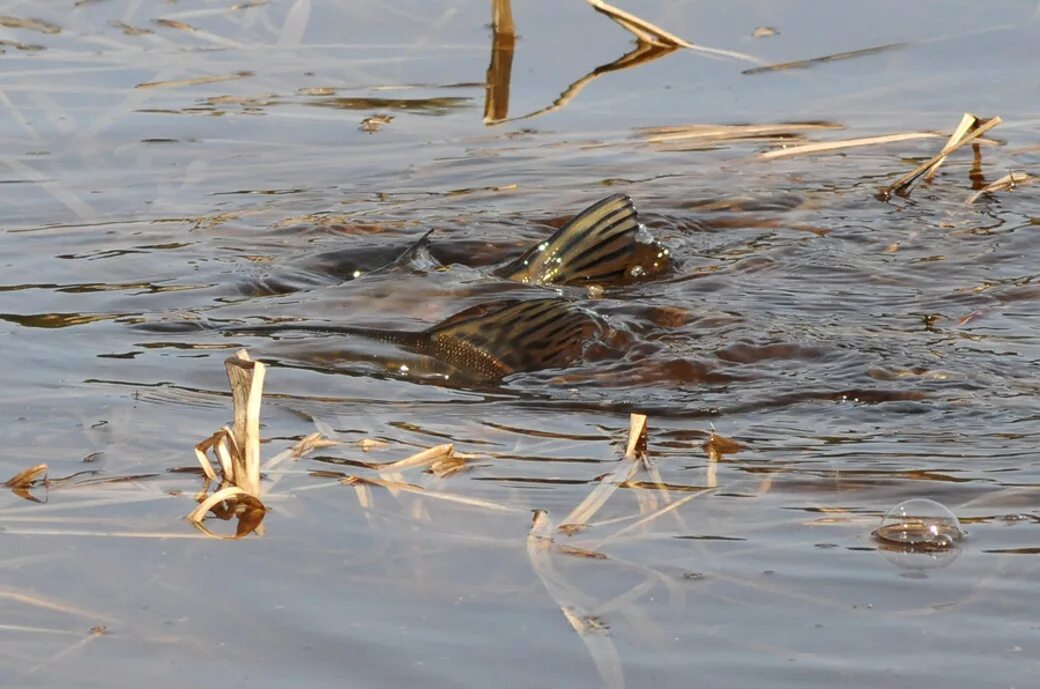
(636, 448)
(247, 385)
(237, 451)
(1006, 183)
(651, 34)
(975, 128)
(29, 477)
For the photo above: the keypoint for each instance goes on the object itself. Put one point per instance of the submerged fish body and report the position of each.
(603, 245)
(487, 342)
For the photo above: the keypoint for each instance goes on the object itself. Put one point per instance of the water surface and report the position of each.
(214, 168)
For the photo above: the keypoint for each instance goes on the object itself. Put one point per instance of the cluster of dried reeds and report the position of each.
(236, 452)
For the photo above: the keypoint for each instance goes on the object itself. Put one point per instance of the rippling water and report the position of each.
(214, 168)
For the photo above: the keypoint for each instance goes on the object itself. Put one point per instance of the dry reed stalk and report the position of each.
(500, 69)
(842, 144)
(237, 451)
(722, 132)
(247, 388)
(963, 127)
(424, 458)
(21, 482)
(178, 83)
(1005, 183)
(970, 128)
(502, 17)
(400, 486)
(651, 34)
(636, 447)
(795, 64)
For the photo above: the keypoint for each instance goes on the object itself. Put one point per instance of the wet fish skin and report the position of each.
(487, 342)
(605, 244)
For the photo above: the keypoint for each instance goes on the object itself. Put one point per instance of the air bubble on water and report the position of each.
(643, 235)
(920, 524)
(637, 271)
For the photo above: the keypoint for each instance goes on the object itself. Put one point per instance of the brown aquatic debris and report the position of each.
(970, 128)
(718, 445)
(700, 134)
(1008, 182)
(21, 482)
(374, 123)
(176, 83)
(174, 24)
(842, 144)
(403, 487)
(27, 478)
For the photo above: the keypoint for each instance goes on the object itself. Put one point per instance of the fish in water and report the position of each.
(605, 244)
(486, 342)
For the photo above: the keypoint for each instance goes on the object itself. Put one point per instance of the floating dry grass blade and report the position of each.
(841, 144)
(636, 448)
(178, 83)
(420, 459)
(609, 483)
(400, 486)
(849, 54)
(27, 478)
(970, 129)
(644, 31)
(31, 24)
(1006, 183)
(693, 136)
